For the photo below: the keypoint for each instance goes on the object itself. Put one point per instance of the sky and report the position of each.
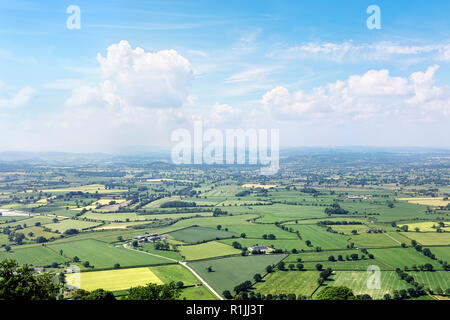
(136, 71)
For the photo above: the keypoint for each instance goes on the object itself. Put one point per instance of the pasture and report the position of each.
(229, 272)
(198, 234)
(432, 280)
(428, 238)
(64, 225)
(206, 250)
(427, 226)
(358, 282)
(285, 282)
(103, 255)
(319, 237)
(38, 256)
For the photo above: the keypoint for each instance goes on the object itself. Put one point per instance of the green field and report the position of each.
(401, 257)
(319, 237)
(229, 272)
(357, 281)
(199, 234)
(432, 280)
(256, 230)
(39, 256)
(150, 247)
(374, 240)
(441, 253)
(197, 293)
(103, 255)
(285, 244)
(71, 224)
(175, 273)
(428, 238)
(285, 282)
(206, 250)
(281, 212)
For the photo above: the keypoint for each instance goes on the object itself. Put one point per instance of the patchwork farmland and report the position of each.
(216, 233)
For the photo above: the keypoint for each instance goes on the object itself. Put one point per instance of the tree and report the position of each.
(257, 277)
(281, 265)
(300, 266)
(41, 239)
(86, 264)
(245, 286)
(269, 269)
(219, 227)
(319, 266)
(227, 294)
(76, 259)
(336, 293)
(210, 269)
(243, 235)
(98, 294)
(117, 266)
(180, 284)
(19, 283)
(153, 291)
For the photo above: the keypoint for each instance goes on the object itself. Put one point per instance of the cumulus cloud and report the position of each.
(362, 96)
(159, 79)
(17, 99)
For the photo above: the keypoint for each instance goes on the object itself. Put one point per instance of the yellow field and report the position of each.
(255, 185)
(435, 202)
(104, 202)
(113, 280)
(426, 226)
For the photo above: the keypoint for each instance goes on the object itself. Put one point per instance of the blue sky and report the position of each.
(311, 68)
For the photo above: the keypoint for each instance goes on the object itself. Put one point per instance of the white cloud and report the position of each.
(375, 93)
(149, 79)
(251, 74)
(350, 51)
(18, 99)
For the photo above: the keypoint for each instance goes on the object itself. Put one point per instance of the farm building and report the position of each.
(258, 248)
(365, 197)
(154, 237)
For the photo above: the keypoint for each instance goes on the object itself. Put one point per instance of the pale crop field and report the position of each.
(426, 226)
(427, 201)
(113, 280)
